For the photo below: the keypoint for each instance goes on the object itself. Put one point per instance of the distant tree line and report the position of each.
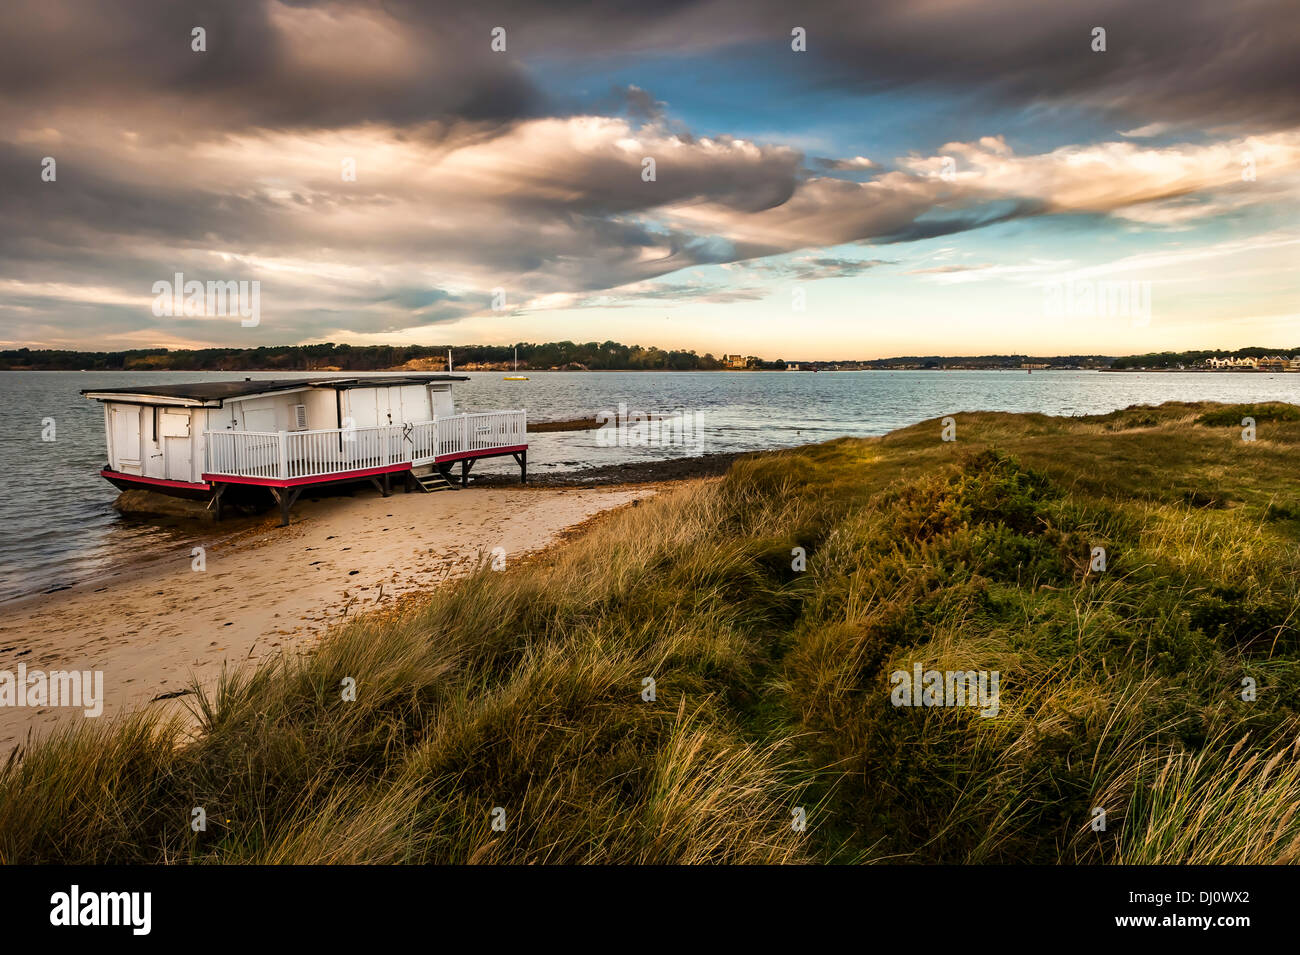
(597, 356)
(594, 355)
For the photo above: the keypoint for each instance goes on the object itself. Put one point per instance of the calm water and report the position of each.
(57, 526)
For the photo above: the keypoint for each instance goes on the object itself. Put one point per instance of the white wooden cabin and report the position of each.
(197, 440)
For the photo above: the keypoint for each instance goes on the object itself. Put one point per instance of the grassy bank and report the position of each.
(1121, 689)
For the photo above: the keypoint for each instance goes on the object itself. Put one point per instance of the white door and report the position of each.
(388, 409)
(126, 438)
(175, 433)
(441, 395)
(415, 403)
(359, 405)
(177, 453)
(263, 453)
(259, 419)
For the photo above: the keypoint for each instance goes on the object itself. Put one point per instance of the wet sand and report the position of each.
(268, 589)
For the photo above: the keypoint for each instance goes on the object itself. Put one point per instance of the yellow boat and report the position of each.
(516, 377)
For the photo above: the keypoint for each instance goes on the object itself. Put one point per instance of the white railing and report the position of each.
(480, 432)
(246, 453)
(284, 455)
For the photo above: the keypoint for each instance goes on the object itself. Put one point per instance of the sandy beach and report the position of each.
(268, 589)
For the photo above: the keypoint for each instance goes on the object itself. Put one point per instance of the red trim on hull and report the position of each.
(111, 475)
(485, 453)
(313, 479)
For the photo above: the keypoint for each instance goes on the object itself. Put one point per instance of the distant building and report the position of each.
(1273, 363)
(1231, 362)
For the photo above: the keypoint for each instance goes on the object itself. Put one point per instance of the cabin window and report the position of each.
(153, 425)
(300, 417)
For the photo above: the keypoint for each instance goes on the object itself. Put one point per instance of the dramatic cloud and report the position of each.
(1107, 177)
(380, 167)
(1197, 61)
(266, 63)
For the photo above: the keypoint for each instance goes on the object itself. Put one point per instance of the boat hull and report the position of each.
(134, 482)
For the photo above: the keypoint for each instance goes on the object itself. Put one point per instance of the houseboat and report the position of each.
(240, 440)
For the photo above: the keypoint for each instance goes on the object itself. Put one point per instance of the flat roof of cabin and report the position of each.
(243, 388)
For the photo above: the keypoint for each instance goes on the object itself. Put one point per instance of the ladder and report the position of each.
(435, 480)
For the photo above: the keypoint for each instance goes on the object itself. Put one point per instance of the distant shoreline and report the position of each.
(1210, 371)
(526, 358)
(647, 371)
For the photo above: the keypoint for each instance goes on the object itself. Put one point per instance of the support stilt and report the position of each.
(215, 503)
(521, 459)
(286, 497)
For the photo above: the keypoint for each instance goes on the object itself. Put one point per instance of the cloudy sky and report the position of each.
(924, 177)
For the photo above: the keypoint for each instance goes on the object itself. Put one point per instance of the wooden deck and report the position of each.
(296, 456)
(287, 461)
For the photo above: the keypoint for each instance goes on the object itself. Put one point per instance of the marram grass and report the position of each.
(505, 719)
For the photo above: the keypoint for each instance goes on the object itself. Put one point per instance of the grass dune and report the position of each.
(520, 697)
